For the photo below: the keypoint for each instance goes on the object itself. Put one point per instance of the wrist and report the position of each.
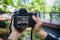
(42, 34)
(17, 34)
(14, 35)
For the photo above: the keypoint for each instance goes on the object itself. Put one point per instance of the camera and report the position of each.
(23, 19)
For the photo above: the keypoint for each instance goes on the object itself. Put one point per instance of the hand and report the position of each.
(38, 24)
(16, 33)
(38, 28)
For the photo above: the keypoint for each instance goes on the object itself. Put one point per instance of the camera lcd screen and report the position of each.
(22, 21)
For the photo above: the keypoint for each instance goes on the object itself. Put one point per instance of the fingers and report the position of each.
(12, 27)
(37, 19)
(34, 18)
(20, 30)
(38, 24)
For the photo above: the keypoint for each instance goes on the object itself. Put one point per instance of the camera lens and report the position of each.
(22, 12)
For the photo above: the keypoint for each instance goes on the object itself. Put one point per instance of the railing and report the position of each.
(51, 19)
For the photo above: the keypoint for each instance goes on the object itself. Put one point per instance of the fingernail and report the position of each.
(33, 16)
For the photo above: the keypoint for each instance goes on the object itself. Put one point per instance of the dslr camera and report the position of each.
(23, 19)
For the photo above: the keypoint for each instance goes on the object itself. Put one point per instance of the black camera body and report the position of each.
(23, 19)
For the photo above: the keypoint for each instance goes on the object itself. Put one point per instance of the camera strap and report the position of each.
(10, 25)
(31, 34)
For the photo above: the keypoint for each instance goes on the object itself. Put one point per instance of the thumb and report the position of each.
(34, 18)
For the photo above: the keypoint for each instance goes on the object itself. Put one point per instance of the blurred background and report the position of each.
(48, 10)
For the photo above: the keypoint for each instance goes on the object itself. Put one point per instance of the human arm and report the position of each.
(38, 27)
(39, 30)
(5, 17)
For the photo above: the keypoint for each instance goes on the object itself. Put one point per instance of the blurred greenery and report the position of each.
(4, 29)
(35, 5)
(27, 34)
(31, 6)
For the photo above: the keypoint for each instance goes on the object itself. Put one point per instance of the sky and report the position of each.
(49, 2)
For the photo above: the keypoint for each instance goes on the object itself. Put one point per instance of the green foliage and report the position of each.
(27, 34)
(35, 5)
(4, 10)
